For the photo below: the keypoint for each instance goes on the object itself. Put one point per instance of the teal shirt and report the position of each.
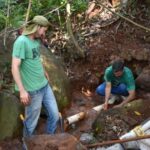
(126, 78)
(31, 68)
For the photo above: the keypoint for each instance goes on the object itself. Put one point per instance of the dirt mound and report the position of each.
(54, 142)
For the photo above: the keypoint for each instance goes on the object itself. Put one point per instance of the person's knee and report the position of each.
(122, 87)
(100, 90)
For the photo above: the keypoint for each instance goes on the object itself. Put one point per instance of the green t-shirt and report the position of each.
(31, 68)
(126, 78)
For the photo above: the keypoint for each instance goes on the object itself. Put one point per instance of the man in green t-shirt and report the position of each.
(31, 79)
(119, 80)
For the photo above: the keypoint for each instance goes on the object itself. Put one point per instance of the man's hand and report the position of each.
(105, 106)
(130, 97)
(118, 106)
(46, 75)
(24, 97)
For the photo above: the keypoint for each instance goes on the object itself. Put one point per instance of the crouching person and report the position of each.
(119, 81)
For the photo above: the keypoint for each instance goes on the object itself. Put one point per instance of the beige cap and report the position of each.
(33, 25)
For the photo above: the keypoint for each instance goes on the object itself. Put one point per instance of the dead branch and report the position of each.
(119, 141)
(69, 28)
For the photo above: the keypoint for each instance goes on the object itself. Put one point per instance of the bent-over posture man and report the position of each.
(119, 80)
(31, 79)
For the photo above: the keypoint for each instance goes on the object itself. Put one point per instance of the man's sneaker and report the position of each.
(113, 98)
(124, 97)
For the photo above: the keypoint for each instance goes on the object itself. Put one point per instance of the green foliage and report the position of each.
(2, 19)
(39, 7)
(79, 5)
(3, 3)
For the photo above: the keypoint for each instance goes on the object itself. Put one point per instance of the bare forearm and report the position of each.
(17, 77)
(129, 98)
(24, 96)
(107, 93)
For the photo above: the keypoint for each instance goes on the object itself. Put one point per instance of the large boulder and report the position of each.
(143, 80)
(57, 76)
(141, 53)
(10, 124)
(115, 122)
(10, 109)
(62, 141)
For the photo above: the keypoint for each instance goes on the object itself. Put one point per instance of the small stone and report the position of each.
(87, 138)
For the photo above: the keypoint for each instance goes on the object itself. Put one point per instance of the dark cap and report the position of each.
(118, 65)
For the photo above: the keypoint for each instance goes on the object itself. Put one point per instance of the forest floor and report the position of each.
(86, 75)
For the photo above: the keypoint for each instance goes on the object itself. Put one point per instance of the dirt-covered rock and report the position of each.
(62, 141)
(143, 80)
(57, 76)
(115, 122)
(10, 109)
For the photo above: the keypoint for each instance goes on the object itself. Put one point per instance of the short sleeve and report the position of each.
(107, 75)
(130, 82)
(19, 49)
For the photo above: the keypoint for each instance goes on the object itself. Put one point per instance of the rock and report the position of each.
(62, 141)
(139, 55)
(10, 109)
(113, 123)
(143, 80)
(10, 124)
(87, 138)
(13, 144)
(10, 38)
(57, 76)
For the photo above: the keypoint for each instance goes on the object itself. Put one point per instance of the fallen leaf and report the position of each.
(137, 113)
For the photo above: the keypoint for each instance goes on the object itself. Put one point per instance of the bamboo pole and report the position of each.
(118, 141)
(28, 11)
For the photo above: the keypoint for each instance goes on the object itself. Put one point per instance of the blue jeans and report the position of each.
(46, 97)
(121, 89)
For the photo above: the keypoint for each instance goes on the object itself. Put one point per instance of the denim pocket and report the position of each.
(32, 93)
